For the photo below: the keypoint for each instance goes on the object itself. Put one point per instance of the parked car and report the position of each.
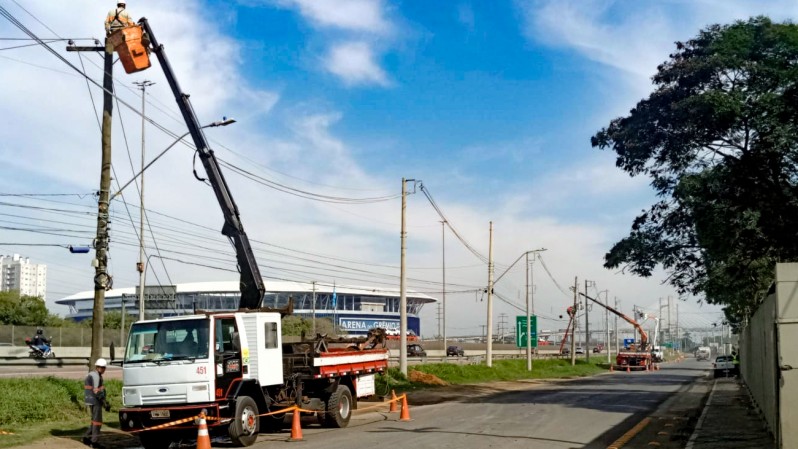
(566, 350)
(580, 350)
(457, 351)
(415, 350)
(724, 366)
(598, 348)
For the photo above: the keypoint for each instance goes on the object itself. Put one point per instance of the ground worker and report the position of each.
(94, 397)
(117, 18)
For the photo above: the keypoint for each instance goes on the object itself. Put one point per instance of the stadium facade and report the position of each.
(353, 309)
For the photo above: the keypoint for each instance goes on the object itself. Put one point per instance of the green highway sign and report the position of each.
(520, 331)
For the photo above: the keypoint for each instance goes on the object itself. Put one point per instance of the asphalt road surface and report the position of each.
(583, 413)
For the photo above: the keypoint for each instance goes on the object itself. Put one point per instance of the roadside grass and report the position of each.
(502, 370)
(37, 407)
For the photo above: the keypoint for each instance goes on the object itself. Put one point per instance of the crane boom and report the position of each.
(643, 334)
(251, 283)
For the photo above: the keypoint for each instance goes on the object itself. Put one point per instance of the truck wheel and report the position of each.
(155, 440)
(244, 428)
(339, 408)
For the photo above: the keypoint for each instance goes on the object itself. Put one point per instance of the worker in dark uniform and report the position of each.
(94, 397)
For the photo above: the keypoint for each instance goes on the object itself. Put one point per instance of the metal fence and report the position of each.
(768, 356)
(61, 336)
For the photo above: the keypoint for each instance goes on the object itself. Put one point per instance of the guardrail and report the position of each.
(56, 361)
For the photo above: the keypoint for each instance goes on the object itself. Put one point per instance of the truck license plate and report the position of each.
(159, 413)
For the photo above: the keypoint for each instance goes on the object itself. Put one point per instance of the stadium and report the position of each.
(354, 310)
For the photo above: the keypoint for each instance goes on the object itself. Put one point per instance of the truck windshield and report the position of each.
(168, 340)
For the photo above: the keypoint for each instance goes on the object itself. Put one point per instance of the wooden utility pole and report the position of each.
(576, 313)
(100, 262)
(489, 338)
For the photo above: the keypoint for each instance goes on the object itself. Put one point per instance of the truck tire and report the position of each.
(155, 440)
(339, 408)
(243, 429)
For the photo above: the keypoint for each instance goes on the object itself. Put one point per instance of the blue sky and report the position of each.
(491, 104)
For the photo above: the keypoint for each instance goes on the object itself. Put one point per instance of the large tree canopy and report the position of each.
(719, 139)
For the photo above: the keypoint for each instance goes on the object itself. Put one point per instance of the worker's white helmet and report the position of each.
(101, 363)
(120, 3)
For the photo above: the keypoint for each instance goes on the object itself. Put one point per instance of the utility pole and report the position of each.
(102, 281)
(576, 313)
(607, 322)
(143, 85)
(403, 287)
(443, 275)
(617, 331)
(489, 350)
(659, 315)
(678, 342)
(101, 278)
(670, 335)
(587, 324)
(122, 327)
(313, 305)
(528, 319)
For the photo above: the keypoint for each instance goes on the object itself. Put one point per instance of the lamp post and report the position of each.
(142, 269)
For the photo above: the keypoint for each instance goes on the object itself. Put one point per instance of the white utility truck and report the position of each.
(234, 367)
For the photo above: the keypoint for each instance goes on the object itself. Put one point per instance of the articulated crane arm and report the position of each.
(643, 334)
(251, 283)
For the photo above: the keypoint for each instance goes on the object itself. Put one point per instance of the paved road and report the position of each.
(585, 413)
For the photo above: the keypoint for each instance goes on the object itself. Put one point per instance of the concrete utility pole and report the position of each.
(659, 333)
(617, 331)
(101, 279)
(314, 309)
(443, 291)
(143, 85)
(607, 322)
(489, 350)
(528, 318)
(576, 313)
(402, 287)
(587, 323)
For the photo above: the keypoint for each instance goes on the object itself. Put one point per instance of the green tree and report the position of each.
(23, 310)
(719, 139)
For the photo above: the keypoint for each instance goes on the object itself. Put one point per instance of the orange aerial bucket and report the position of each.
(127, 42)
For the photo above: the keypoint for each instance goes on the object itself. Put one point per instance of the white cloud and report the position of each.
(633, 39)
(352, 15)
(354, 63)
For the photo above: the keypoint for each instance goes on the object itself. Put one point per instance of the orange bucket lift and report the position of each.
(127, 42)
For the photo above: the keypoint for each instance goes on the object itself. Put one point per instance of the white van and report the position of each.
(703, 353)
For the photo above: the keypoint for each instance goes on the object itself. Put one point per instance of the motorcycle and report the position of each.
(36, 352)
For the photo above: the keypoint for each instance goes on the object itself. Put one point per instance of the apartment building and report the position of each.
(18, 273)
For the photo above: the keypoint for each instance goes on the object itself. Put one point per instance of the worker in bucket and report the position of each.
(118, 18)
(94, 397)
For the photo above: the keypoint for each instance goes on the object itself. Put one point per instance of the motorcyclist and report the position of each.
(40, 341)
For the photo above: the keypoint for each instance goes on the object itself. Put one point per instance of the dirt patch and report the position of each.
(424, 378)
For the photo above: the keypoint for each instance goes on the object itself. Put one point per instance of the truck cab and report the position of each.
(175, 368)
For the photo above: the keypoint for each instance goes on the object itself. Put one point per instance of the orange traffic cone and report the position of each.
(393, 402)
(628, 370)
(405, 415)
(611, 368)
(296, 428)
(203, 439)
